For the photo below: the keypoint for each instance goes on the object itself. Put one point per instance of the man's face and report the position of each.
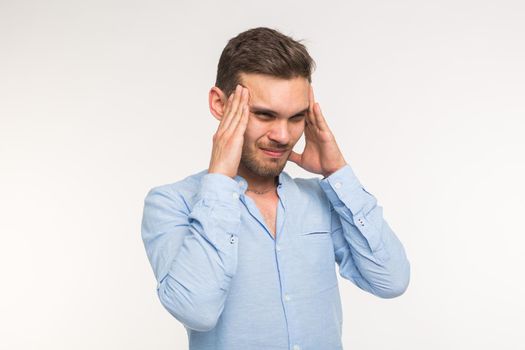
(278, 109)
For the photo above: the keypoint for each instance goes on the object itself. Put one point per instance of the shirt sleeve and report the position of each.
(367, 250)
(193, 251)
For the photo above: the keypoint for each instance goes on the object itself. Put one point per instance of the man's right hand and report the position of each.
(229, 138)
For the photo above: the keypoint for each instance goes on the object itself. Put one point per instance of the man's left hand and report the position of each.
(321, 155)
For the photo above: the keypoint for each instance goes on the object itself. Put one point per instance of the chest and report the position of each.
(268, 209)
(302, 255)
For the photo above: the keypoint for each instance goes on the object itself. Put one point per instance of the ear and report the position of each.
(217, 101)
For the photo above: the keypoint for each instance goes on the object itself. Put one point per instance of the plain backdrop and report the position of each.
(102, 100)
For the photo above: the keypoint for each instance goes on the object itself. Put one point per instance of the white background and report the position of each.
(102, 100)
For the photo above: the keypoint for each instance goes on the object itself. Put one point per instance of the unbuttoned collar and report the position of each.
(243, 184)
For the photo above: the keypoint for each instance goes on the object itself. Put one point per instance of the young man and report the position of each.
(244, 255)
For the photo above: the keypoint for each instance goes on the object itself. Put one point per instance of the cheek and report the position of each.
(250, 136)
(254, 132)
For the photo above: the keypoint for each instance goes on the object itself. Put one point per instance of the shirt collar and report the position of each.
(283, 180)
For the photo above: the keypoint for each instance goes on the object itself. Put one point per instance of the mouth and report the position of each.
(275, 153)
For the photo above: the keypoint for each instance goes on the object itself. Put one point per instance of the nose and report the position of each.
(279, 132)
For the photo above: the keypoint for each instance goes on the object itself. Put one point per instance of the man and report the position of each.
(244, 255)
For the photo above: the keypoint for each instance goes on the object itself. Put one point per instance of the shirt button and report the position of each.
(337, 185)
(296, 347)
(278, 248)
(235, 195)
(287, 297)
(232, 239)
(241, 183)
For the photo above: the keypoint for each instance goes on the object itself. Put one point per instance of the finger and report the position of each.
(243, 123)
(319, 118)
(227, 115)
(236, 104)
(244, 104)
(230, 113)
(228, 107)
(244, 114)
(311, 113)
(236, 116)
(226, 112)
(236, 111)
(308, 131)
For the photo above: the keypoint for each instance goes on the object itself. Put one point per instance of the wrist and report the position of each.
(333, 170)
(212, 170)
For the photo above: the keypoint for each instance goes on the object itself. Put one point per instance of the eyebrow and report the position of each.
(257, 109)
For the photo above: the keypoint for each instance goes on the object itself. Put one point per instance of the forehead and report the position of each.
(282, 95)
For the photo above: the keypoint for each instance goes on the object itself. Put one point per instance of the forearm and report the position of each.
(384, 272)
(370, 253)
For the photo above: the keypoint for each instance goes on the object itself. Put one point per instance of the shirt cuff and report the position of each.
(344, 188)
(220, 187)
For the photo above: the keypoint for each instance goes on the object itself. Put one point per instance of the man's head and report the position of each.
(277, 71)
(262, 51)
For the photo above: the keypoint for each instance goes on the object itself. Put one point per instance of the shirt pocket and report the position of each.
(317, 249)
(316, 232)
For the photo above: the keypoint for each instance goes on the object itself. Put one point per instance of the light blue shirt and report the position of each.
(221, 273)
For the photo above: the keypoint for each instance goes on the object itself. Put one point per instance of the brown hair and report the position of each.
(264, 51)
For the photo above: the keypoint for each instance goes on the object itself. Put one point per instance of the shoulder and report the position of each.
(308, 185)
(308, 189)
(310, 204)
(179, 193)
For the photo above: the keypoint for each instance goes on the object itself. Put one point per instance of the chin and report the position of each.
(264, 167)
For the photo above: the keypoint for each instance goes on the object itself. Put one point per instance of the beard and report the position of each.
(268, 167)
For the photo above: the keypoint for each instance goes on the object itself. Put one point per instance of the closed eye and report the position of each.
(263, 115)
(268, 116)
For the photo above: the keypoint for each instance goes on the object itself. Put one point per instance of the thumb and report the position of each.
(295, 157)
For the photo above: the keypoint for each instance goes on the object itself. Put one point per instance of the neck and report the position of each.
(255, 181)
